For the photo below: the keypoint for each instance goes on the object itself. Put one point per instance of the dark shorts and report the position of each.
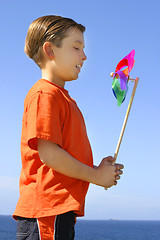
(62, 228)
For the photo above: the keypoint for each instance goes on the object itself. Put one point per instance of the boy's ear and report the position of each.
(48, 49)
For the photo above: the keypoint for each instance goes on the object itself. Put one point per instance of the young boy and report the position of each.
(57, 164)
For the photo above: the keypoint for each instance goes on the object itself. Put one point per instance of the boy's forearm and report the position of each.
(59, 160)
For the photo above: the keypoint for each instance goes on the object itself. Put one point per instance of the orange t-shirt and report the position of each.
(51, 114)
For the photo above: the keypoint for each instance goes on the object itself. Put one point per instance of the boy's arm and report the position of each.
(59, 160)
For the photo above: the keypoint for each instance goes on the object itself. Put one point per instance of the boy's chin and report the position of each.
(72, 79)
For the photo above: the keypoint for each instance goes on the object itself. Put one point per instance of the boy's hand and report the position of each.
(53, 156)
(108, 174)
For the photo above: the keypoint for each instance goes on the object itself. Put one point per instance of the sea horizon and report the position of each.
(96, 229)
(101, 219)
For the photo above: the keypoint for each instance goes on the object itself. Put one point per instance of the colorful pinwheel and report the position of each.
(119, 87)
(121, 77)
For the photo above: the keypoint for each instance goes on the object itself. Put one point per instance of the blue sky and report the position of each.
(113, 29)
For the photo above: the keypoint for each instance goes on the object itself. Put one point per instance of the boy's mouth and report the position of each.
(78, 66)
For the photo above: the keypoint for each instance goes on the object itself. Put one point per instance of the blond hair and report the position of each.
(49, 28)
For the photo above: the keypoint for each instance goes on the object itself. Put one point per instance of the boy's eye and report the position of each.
(76, 48)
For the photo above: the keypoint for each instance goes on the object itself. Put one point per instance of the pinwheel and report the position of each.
(120, 86)
(120, 89)
(121, 73)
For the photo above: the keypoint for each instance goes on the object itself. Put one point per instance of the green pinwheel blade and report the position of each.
(118, 93)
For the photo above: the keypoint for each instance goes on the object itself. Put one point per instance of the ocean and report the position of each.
(97, 229)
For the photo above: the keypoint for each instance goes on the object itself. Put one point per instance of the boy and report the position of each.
(57, 164)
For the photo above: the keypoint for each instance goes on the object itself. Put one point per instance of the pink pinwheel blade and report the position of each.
(130, 58)
(127, 61)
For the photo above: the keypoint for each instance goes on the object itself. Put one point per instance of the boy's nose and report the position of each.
(84, 57)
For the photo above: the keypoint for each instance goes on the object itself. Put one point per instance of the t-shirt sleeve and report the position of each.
(43, 119)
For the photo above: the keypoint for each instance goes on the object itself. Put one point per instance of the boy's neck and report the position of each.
(51, 78)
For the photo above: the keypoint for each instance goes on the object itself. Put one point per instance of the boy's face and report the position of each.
(69, 58)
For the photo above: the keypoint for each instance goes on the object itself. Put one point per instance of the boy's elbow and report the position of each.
(46, 151)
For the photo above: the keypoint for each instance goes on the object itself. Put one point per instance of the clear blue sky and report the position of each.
(113, 29)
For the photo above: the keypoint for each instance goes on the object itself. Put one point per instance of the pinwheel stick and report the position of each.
(126, 117)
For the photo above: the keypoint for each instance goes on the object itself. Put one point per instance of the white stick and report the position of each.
(126, 118)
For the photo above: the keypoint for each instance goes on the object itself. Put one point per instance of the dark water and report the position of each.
(7, 228)
(97, 230)
(118, 230)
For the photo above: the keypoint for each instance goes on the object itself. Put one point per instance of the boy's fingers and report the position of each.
(119, 172)
(109, 159)
(117, 177)
(115, 183)
(119, 166)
